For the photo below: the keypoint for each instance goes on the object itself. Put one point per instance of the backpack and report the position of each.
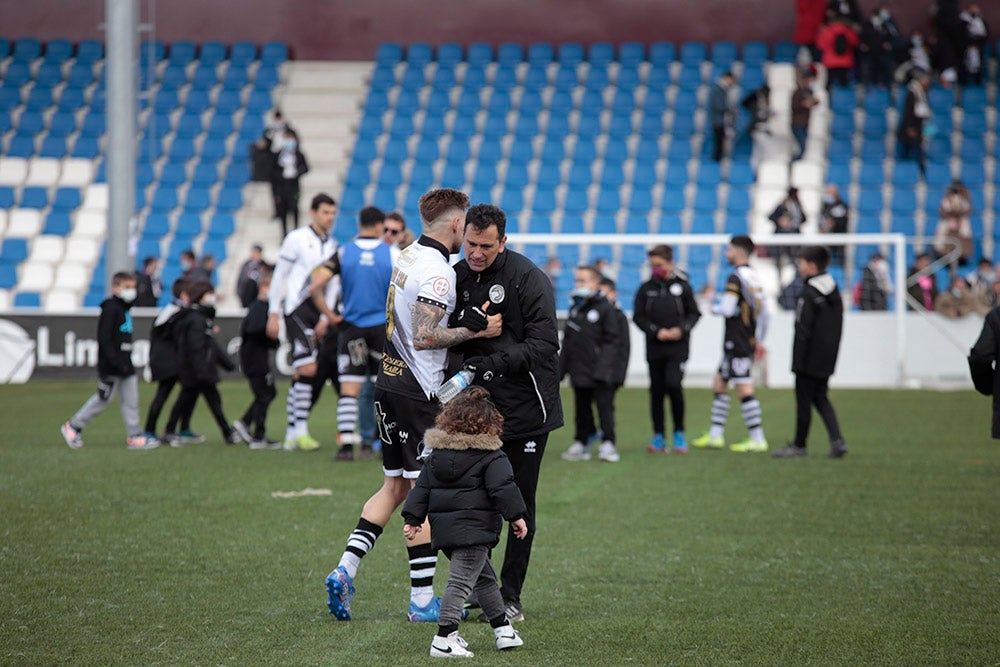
(840, 44)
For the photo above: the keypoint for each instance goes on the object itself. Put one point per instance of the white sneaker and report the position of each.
(507, 637)
(451, 646)
(240, 427)
(576, 452)
(607, 452)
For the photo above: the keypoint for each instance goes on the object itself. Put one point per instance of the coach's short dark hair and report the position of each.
(320, 199)
(370, 217)
(743, 242)
(483, 216)
(396, 215)
(816, 254)
(664, 252)
(435, 204)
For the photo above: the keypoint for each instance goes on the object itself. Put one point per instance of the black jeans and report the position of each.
(810, 391)
(603, 395)
(719, 132)
(665, 376)
(526, 459)
(163, 389)
(186, 401)
(263, 393)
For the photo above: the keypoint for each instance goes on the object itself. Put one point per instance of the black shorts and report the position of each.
(402, 422)
(736, 369)
(359, 351)
(300, 330)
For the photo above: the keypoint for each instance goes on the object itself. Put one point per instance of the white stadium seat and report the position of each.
(773, 173)
(807, 174)
(24, 223)
(13, 170)
(76, 172)
(43, 171)
(47, 248)
(61, 301)
(72, 277)
(96, 196)
(91, 224)
(35, 277)
(3, 223)
(82, 250)
(5, 300)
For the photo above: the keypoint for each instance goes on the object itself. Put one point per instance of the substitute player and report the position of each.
(746, 314)
(420, 298)
(302, 251)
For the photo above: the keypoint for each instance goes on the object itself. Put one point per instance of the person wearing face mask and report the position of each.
(200, 357)
(959, 300)
(873, 290)
(976, 34)
(590, 341)
(665, 311)
(833, 219)
(879, 35)
(289, 166)
(115, 371)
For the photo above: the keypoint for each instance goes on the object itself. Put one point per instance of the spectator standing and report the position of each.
(261, 161)
(819, 321)
(520, 367)
(809, 15)
(275, 129)
(790, 293)
(590, 338)
(959, 300)
(147, 284)
(247, 283)
(983, 364)
(916, 111)
(189, 263)
(746, 314)
(983, 280)
(875, 287)
(838, 40)
(976, 34)
(834, 219)
(879, 35)
(465, 512)
(255, 362)
(289, 166)
(803, 101)
(720, 113)
(115, 371)
(954, 223)
(758, 104)
(923, 286)
(845, 10)
(788, 218)
(665, 311)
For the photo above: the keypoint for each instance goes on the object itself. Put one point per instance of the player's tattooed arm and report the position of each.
(428, 334)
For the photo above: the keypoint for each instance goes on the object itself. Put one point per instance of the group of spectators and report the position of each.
(277, 158)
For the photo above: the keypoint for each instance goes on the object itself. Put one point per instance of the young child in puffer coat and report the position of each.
(467, 489)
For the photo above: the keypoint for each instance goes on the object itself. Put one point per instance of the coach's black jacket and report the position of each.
(590, 343)
(524, 358)
(465, 486)
(114, 339)
(199, 353)
(664, 304)
(819, 320)
(982, 358)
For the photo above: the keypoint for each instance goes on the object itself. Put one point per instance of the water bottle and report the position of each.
(454, 385)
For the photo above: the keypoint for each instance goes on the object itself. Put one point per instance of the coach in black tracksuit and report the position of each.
(819, 321)
(666, 311)
(520, 367)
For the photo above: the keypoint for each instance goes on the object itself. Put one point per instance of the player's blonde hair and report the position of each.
(442, 203)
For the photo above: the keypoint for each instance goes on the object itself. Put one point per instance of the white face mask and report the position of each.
(209, 300)
(128, 294)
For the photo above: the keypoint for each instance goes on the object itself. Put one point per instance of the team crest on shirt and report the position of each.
(593, 316)
(440, 286)
(405, 259)
(676, 289)
(497, 294)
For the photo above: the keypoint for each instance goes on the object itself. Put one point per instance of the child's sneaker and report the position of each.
(576, 452)
(265, 443)
(507, 637)
(240, 427)
(189, 437)
(234, 438)
(72, 437)
(429, 613)
(142, 441)
(340, 590)
(451, 646)
(658, 445)
(680, 443)
(608, 453)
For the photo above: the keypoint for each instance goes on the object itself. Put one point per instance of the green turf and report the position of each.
(182, 557)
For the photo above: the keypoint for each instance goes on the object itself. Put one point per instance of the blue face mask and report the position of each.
(291, 144)
(581, 293)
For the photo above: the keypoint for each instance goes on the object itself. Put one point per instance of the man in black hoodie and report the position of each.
(819, 319)
(520, 367)
(115, 371)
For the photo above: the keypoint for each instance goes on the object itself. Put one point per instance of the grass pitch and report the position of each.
(182, 557)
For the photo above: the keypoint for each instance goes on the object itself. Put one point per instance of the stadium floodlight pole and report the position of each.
(896, 240)
(121, 37)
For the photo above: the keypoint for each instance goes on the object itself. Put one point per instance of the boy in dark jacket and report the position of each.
(665, 311)
(115, 371)
(255, 360)
(609, 290)
(590, 345)
(466, 489)
(200, 358)
(819, 319)
(982, 359)
(163, 354)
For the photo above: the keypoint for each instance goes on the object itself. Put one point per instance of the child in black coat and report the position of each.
(163, 354)
(200, 358)
(466, 489)
(255, 361)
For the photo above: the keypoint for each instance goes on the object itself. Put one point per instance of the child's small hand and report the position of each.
(410, 531)
(520, 528)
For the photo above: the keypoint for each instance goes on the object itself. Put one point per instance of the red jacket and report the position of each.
(808, 19)
(826, 39)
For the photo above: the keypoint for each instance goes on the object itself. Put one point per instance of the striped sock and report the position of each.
(720, 412)
(423, 560)
(303, 399)
(753, 417)
(347, 419)
(360, 542)
(290, 412)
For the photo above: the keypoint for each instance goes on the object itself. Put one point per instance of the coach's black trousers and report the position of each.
(665, 376)
(810, 391)
(526, 460)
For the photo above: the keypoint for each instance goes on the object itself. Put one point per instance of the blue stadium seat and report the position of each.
(516, 176)
(644, 175)
(616, 151)
(273, 54)
(156, 226)
(641, 201)
(705, 200)
(266, 78)
(89, 51)
(26, 50)
(188, 226)
(66, 199)
(869, 202)
(903, 224)
(391, 176)
(737, 202)
(540, 54)
(214, 150)
(905, 175)
(904, 202)
(938, 175)
(612, 176)
(259, 102)
(197, 200)
(86, 147)
(221, 226)
(27, 300)
(39, 99)
(973, 150)
(571, 53)
(723, 53)
(164, 200)
(211, 54)
(34, 196)
(53, 147)
(479, 54)
(662, 54)
(512, 200)
(871, 176)
(23, 147)
(13, 251)
(237, 173)
(693, 53)
(48, 75)
(785, 52)
(754, 53)
(243, 53)
(57, 224)
(544, 201)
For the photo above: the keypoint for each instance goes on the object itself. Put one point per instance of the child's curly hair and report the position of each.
(470, 412)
